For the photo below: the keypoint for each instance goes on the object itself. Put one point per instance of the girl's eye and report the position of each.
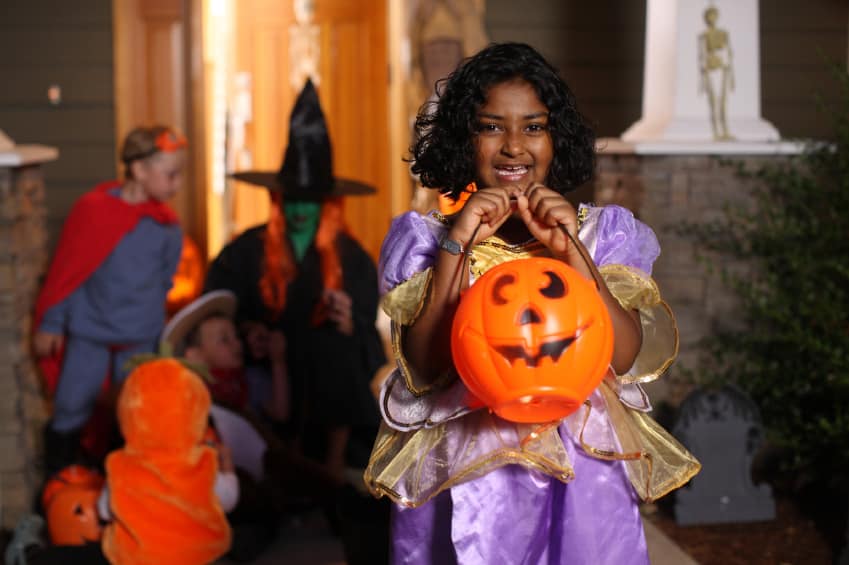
(488, 128)
(537, 128)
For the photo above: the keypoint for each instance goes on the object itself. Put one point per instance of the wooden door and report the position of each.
(153, 86)
(353, 88)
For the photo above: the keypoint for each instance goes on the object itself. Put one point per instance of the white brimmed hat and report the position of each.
(222, 302)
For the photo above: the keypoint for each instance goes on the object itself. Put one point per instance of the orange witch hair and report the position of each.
(330, 224)
(279, 266)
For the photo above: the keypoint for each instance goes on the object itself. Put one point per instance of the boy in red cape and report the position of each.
(104, 296)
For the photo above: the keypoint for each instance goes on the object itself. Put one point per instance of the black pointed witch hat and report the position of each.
(307, 169)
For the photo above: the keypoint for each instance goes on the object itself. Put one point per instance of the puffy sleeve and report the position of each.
(406, 264)
(625, 249)
(614, 236)
(406, 258)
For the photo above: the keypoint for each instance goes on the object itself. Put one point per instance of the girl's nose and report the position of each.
(513, 145)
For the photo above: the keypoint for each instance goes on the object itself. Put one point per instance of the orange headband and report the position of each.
(169, 141)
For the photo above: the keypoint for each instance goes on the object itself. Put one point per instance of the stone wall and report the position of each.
(23, 239)
(665, 191)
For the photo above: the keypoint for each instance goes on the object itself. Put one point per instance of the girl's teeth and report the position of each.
(511, 172)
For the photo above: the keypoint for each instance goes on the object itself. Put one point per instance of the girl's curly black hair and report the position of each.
(443, 154)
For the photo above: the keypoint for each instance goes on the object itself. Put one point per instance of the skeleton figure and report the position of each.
(715, 63)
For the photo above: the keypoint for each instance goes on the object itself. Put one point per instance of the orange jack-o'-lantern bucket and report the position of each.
(70, 505)
(531, 339)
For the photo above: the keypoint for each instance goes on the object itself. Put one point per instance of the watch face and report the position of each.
(451, 246)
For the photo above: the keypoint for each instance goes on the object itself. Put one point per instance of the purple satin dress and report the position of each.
(513, 515)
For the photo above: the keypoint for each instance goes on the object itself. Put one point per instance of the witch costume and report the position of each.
(470, 487)
(329, 371)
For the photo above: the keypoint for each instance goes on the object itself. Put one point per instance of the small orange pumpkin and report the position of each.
(531, 339)
(70, 505)
(187, 283)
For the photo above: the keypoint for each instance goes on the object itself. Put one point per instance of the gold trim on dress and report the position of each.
(413, 467)
(636, 290)
(407, 371)
(495, 251)
(404, 303)
(656, 462)
(427, 422)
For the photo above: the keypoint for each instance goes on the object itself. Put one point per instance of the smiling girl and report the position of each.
(471, 487)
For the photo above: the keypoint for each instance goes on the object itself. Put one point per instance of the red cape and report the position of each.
(95, 225)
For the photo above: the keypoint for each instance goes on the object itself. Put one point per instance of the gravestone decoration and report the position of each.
(722, 428)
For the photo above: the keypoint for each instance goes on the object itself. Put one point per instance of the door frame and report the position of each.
(129, 52)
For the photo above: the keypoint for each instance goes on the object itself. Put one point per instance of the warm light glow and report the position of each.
(217, 57)
(399, 129)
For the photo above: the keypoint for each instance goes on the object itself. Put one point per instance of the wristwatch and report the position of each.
(452, 247)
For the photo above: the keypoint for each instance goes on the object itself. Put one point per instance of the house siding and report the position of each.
(69, 44)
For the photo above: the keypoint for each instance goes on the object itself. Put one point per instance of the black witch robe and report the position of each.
(329, 371)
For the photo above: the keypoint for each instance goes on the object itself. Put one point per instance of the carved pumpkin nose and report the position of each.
(530, 315)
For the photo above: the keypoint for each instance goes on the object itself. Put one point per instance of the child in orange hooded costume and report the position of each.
(161, 482)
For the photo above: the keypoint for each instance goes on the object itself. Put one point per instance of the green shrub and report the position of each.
(790, 349)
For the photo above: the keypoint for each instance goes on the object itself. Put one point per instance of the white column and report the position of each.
(6, 143)
(675, 108)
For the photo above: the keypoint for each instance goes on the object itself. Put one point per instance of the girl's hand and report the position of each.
(544, 210)
(339, 310)
(46, 344)
(488, 208)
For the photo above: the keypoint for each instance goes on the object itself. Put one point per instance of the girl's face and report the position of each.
(161, 174)
(513, 142)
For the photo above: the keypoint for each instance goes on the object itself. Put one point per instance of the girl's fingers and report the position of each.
(544, 211)
(495, 199)
(484, 213)
(523, 207)
(492, 206)
(550, 207)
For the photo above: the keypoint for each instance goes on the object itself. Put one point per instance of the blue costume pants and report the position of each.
(85, 365)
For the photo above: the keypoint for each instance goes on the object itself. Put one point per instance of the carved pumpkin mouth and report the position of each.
(553, 349)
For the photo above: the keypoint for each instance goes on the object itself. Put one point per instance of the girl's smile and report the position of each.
(513, 143)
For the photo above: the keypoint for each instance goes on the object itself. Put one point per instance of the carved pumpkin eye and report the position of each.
(499, 287)
(556, 287)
